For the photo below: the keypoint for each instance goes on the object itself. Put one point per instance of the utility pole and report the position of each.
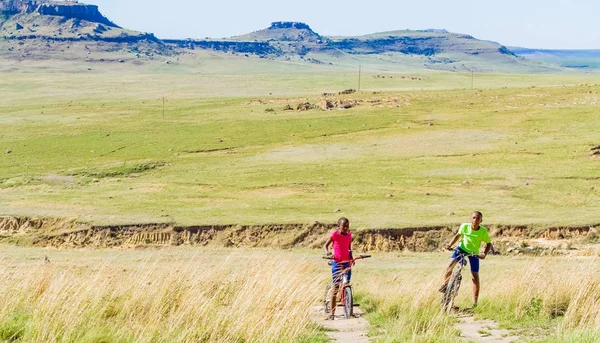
(359, 67)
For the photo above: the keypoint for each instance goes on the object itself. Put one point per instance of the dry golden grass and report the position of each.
(185, 296)
(543, 299)
(222, 295)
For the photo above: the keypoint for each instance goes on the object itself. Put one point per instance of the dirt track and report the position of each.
(483, 331)
(341, 329)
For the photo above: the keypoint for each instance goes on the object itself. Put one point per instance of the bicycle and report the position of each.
(453, 286)
(345, 289)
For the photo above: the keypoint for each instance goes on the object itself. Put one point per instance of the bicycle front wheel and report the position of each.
(348, 303)
(451, 292)
(327, 299)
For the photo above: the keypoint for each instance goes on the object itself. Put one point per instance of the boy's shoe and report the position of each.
(331, 317)
(474, 306)
(442, 289)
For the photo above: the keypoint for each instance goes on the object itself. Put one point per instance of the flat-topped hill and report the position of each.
(59, 20)
(68, 30)
(67, 9)
(283, 31)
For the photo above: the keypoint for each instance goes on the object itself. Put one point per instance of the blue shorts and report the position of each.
(336, 271)
(473, 261)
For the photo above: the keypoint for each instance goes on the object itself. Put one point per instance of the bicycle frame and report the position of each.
(452, 289)
(341, 283)
(461, 260)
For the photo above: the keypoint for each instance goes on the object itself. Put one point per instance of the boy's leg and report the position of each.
(475, 278)
(334, 290)
(449, 268)
(474, 263)
(336, 271)
(448, 272)
(348, 272)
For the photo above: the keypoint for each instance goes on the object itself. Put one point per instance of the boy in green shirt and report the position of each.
(471, 236)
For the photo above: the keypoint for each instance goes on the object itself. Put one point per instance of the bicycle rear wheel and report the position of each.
(327, 299)
(348, 303)
(451, 292)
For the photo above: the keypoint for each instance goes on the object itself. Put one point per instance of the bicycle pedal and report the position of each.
(356, 305)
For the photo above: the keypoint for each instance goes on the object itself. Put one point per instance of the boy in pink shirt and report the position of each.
(342, 254)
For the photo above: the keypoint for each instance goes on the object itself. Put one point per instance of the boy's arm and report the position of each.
(454, 240)
(350, 250)
(326, 246)
(488, 247)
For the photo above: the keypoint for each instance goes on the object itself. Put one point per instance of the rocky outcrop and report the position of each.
(504, 50)
(407, 45)
(74, 10)
(13, 6)
(284, 32)
(256, 48)
(67, 9)
(289, 25)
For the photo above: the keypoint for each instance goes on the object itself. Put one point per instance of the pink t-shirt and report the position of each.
(341, 245)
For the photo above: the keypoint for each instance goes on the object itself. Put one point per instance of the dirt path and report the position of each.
(343, 330)
(483, 330)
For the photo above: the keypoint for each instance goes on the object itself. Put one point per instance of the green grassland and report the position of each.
(420, 148)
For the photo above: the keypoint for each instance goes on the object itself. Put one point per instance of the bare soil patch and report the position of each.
(483, 331)
(341, 329)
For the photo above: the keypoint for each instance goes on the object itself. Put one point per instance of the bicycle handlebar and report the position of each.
(352, 260)
(464, 253)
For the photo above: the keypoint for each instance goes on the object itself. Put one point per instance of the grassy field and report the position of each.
(200, 294)
(95, 145)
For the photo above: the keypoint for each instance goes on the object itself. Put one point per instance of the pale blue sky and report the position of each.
(552, 24)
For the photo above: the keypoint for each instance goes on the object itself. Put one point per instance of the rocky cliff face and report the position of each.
(74, 10)
(69, 30)
(12, 6)
(289, 25)
(67, 9)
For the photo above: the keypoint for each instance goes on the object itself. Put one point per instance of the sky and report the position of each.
(542, 24)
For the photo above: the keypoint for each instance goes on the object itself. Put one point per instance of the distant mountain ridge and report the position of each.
(437, 48)
(281, 37)
(567, 58)
(28, 21)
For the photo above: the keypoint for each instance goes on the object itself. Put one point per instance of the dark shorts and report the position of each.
(473, 261)
(336, 271)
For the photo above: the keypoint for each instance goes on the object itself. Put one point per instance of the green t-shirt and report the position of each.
(471, 239)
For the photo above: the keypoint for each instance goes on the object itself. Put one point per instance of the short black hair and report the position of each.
(343, 220)
(479, 213)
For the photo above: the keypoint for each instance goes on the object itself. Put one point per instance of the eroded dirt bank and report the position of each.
(56, 232)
